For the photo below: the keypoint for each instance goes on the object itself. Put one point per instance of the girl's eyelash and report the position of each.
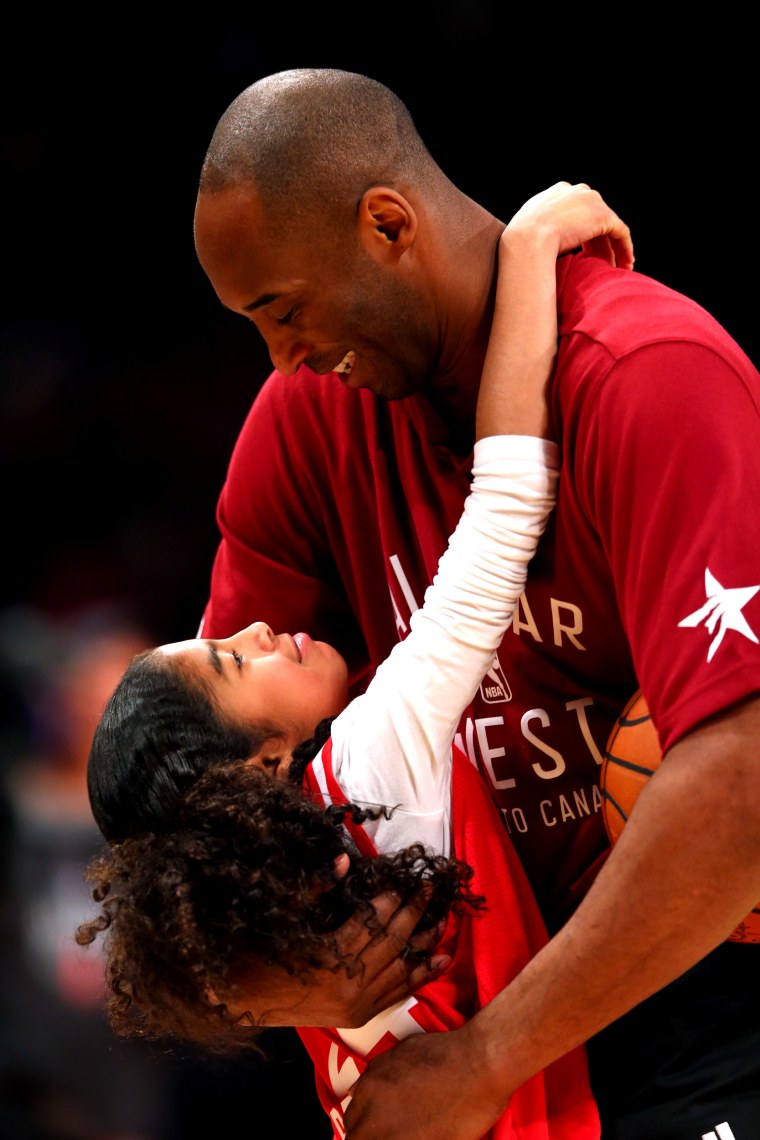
(237, 658)
(288, 316)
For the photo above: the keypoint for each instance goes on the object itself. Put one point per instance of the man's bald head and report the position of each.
(315, 137)
(322, 218)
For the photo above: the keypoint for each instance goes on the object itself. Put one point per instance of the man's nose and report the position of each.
(287, 352)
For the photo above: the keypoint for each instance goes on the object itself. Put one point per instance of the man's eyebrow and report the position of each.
(214, 658)
(264, 299)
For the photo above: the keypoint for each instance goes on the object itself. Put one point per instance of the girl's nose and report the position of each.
(263, 635)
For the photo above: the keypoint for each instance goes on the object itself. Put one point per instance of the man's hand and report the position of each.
(387, 971)
(428, 1087)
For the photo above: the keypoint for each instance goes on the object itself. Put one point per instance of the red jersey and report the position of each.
(337, 507)
(488, 949)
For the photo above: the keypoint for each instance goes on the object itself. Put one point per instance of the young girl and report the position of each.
(229, 864)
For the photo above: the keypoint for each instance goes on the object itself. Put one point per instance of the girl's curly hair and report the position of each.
(244, 876)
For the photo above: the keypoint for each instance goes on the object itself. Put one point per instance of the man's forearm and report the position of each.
(683, 874)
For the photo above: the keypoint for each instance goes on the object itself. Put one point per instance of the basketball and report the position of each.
(633, 754)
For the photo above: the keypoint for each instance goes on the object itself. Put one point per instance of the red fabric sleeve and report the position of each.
(672, 483)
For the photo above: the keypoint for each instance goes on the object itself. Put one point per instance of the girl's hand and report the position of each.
(572, 216)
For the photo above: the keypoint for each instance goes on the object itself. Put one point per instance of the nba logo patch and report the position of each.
(494, 687)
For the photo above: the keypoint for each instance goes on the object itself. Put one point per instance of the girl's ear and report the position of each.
(271, 759)
(341, 865)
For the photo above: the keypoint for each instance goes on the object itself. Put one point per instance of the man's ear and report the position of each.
(387, 223)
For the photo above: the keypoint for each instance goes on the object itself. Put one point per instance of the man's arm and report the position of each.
(282, 556)
(683, 874)
(519, 360)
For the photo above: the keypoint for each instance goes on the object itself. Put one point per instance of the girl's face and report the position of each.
(259, 677)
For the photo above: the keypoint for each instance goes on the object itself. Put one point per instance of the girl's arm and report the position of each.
(523, 341)
(392, 745)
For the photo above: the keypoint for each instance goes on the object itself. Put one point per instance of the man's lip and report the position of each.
(344, 367)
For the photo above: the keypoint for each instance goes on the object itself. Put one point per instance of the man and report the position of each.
(322, 218)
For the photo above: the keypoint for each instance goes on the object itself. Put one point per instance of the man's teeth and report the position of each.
(346, 363)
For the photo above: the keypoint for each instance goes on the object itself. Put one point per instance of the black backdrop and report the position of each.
(123, 381)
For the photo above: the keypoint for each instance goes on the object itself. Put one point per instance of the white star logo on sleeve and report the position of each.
(725, 607)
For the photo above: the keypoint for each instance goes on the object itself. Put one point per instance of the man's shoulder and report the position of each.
(307, 412)
(324, 396)
(621, 311)
(315, 408)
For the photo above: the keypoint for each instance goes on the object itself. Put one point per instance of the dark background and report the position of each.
(123, 381)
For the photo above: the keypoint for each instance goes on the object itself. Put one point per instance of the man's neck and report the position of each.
(453, 392)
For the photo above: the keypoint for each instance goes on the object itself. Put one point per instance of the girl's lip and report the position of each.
(301, 641)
